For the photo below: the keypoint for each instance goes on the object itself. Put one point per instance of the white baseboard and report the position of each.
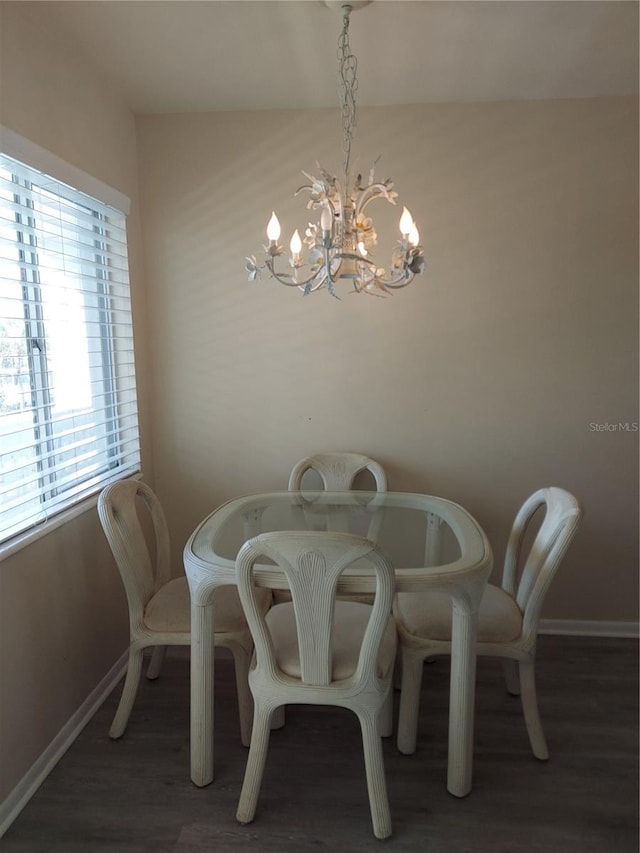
(11, 807)
(585, 628)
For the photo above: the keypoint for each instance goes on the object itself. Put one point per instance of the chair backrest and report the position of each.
(142, 573)
(528, 579)
(312, 563)
(337, 470)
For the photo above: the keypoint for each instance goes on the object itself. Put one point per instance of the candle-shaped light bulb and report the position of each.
(362, 249)
(326, 219)
(406, 222)
(295, 245)
(414, 235)
(273, 228)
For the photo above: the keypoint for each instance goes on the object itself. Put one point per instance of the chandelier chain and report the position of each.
(347, 76)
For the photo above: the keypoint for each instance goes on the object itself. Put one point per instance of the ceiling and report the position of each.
(182, 56)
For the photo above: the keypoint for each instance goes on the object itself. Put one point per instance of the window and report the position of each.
(68, 411)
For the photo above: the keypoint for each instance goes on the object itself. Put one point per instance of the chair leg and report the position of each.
(511, 677)
(121, 718)
(155, 664)
(409, 701)
(397, 670)
(242, 660)
(376, 781)
(530, 710)
(385, 718)
(255, 763)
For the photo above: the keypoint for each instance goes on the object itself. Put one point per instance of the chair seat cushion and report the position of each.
(428, 615)
(349, 624)
(170, 608)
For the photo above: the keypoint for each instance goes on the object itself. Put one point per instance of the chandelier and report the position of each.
(339, 245)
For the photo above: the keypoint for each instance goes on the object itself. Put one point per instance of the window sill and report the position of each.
(23, 540)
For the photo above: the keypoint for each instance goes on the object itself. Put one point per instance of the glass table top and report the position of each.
(416, 531)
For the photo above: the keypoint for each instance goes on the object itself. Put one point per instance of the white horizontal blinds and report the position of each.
(68, 409)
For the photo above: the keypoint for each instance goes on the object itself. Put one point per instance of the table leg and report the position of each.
(202, 662)
(461, 700)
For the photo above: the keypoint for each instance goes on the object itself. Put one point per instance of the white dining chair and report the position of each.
(319, 650)
(508, 616)
(337, 470)
(160, 606)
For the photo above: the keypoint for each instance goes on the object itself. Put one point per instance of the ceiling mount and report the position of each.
(338, 5)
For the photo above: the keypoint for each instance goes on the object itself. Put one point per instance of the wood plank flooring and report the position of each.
(135, 796)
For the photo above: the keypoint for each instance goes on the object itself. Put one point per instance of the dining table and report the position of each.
(433, 543)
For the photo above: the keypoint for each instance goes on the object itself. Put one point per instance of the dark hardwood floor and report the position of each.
(134, 795)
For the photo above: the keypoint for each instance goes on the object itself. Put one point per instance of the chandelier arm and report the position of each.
(323, 280)
(371, 193)
(289, 280)
(402, 280)
(320, 283)
(350, 256)
(314, 282)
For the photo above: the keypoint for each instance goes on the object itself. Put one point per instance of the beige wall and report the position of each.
(479, 382)
(63, 617)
